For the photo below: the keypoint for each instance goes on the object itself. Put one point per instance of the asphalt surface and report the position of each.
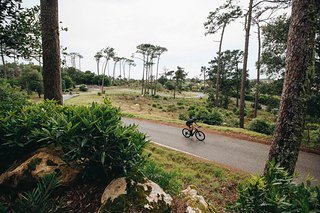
(240, 154)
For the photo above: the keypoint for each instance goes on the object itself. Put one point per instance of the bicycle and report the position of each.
(199, 134)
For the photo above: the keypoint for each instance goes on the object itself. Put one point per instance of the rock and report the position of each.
(196, 203)
(127, 195)
(35, 167)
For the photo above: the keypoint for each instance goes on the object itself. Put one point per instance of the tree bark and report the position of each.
(219, 67)
(4, 63)
(289, 128)
(157, 72)
(256, 99)
(51, 50)
(245, 61)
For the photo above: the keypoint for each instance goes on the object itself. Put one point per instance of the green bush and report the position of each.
(213, 118)
(259, 125)
(11, 99)
(236, 111)
(275, 192)
(168, 181)
(180, 103)
(83, 88)
(90, 135)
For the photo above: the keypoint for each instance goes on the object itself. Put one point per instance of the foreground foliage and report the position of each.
(91, 136)
(11, 99)
(275, 192)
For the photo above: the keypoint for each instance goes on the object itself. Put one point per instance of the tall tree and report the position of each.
(264, 5)
(115, 61)
(79, 57)
(98, 56)
(147, 51)
(217, 20)
(131, 64)
(274, 46)
(20, 35)
(245, 61)
(204, 73)
(299, 61)
(108, 53)
(179, 77)
(51, 50)
(159, 51)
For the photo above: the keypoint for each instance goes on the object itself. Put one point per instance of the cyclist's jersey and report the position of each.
(190, 121)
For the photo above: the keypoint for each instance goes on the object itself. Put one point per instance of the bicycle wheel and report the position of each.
(186, 133)
(200, 135)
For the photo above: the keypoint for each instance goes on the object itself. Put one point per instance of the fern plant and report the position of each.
(38, 199)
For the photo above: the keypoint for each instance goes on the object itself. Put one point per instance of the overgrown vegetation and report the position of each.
(276, 192)
(91, 135)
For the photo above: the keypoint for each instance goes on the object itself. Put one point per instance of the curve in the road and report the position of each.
(236, 153)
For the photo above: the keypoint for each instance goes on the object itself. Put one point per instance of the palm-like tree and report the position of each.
(131, 64)
(115, 60)
(158, 52)
(108, 53)
(79, 57)
(98, 56)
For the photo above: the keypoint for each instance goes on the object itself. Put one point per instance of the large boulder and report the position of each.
(196, 203)
(129, 195)
(30, 171)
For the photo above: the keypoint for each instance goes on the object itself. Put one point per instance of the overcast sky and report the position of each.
(124, 24)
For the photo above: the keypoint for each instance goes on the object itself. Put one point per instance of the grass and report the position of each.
(216, 183)
(167, 109)
(162, 109)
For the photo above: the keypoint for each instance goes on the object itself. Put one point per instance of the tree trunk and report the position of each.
(256, 99)
(104, 74)
(129, 72)
(4, 63)
(219, 66)
(245, 61)
(98, 61)
(114, 72)
(157, 72)
(143, 71)
(289, 128)
(51, 50)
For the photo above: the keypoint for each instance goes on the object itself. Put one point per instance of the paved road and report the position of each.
(236, 153)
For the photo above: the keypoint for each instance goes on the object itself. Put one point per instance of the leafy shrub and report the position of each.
(213, 118)
(259, 125)
(39, 200)
(232, 122)
(169, 85)
(167, 180)
(92, 135)
(201, 113)
(11, 99)
(83, 88)
(180, 103)
(236, 111)
(275, 192)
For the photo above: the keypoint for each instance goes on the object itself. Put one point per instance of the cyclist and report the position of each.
(190, 123)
